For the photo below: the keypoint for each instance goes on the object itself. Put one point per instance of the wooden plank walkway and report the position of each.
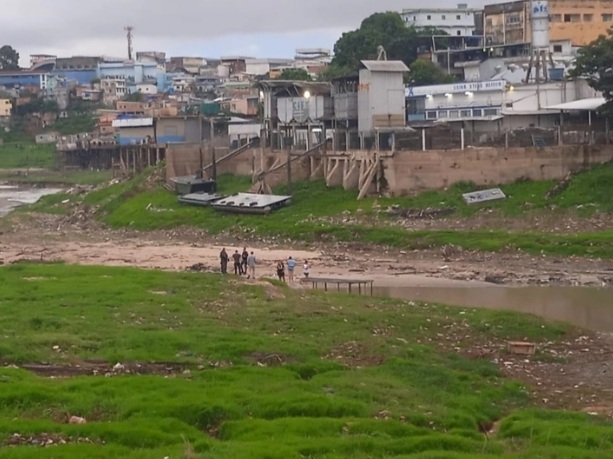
(363, 285)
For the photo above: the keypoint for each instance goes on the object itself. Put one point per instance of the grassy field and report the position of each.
(21, 155)
(273, 373)
(314, 206)
(52, 177)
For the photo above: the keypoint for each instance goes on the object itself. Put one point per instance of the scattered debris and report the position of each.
(417, 214)
(44, 440)
(521, 348)
(77, 420)
(477, 197)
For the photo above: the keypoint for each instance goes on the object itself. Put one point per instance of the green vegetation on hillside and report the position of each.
(318, 213)
(22, 155)
(273, 373)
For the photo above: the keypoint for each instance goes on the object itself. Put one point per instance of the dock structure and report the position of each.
(363, 285)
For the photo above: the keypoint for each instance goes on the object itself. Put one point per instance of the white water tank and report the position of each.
(539, 20)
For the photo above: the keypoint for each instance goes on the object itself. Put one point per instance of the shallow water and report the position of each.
(14, 196)
(590, 308)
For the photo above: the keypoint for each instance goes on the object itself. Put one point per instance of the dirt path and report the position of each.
(46, 239)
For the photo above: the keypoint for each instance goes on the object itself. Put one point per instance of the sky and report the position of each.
(205, 28)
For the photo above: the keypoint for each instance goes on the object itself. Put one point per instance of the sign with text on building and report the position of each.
(477, 86)
(540, 10)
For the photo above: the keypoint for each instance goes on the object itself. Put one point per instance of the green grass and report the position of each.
(22, 155)
(228, 406)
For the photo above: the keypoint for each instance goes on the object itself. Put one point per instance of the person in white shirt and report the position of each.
(306, 269)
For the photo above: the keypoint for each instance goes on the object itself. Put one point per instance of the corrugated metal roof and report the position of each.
(580, 105)
(133, 122)
(385, 66)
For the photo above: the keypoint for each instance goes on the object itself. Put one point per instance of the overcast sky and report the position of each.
(259, 28)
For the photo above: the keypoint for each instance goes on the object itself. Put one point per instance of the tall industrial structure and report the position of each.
(540, 55)
(129, 30)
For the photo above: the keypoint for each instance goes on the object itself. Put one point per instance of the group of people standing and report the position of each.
(291, 268)
(245, 263)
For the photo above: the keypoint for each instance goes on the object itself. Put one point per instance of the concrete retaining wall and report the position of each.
(409, 171)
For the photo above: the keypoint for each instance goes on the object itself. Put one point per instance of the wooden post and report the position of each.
(289, 170)
(214, 160)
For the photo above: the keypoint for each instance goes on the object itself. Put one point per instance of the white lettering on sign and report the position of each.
(478, 86)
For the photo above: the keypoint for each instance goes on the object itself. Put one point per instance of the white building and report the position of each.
(460, 21)
(260, 67)
(511, 106)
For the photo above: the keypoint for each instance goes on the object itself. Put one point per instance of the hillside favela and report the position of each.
(276, 230)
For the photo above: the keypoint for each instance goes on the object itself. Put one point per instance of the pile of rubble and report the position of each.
(45, 440)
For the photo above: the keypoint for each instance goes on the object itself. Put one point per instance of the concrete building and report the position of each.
(151, 56)
(580, 21)
(11, 79)
(460, 21)
(135, 72)
(162, 130)
(381, 96)
(260, 67)
(190, 65)
(494, 105)
(113, 89)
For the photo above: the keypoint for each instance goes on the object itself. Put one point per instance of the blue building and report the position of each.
(20, 78)
(82, 77)
(135, 72)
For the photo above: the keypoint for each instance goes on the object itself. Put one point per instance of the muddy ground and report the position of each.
(49, 238)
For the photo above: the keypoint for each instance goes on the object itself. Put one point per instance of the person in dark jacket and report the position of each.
(238, 270)
(244, 257)
(223, 259)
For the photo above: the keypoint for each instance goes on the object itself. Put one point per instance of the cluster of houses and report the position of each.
(511, 62)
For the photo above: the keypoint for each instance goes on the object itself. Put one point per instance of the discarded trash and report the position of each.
(200, 199)
(417, 214)
(248, 203)
(521, 348)
(77, 420)
(484, 196)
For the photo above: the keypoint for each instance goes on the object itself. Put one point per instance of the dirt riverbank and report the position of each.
(50, 238)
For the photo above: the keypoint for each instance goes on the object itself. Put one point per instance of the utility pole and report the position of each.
(129, 30)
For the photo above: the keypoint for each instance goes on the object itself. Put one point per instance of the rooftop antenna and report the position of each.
(129, 30)
(381, 53)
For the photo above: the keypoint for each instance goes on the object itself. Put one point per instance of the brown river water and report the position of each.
(590, 308)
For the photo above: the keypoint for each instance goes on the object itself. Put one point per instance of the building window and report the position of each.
(488, 22)
(572, 18)
(607, 17)
(431, 115)
(428, 17)
(465, 113)
(453, 114)
(443, 114)
(490, 112)
(443, 17)
(588, 17)
(458, 17)
(459, 33)
(557, 48)
(555, 18)
(477, 112)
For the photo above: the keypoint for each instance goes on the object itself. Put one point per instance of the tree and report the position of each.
(381, 29)
(423, 72)
(9, 58)
(595, 63)
(295, 75)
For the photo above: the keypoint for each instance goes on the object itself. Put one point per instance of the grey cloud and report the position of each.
(62, 24)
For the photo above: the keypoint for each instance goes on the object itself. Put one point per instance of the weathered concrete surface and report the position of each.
(404, 171)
